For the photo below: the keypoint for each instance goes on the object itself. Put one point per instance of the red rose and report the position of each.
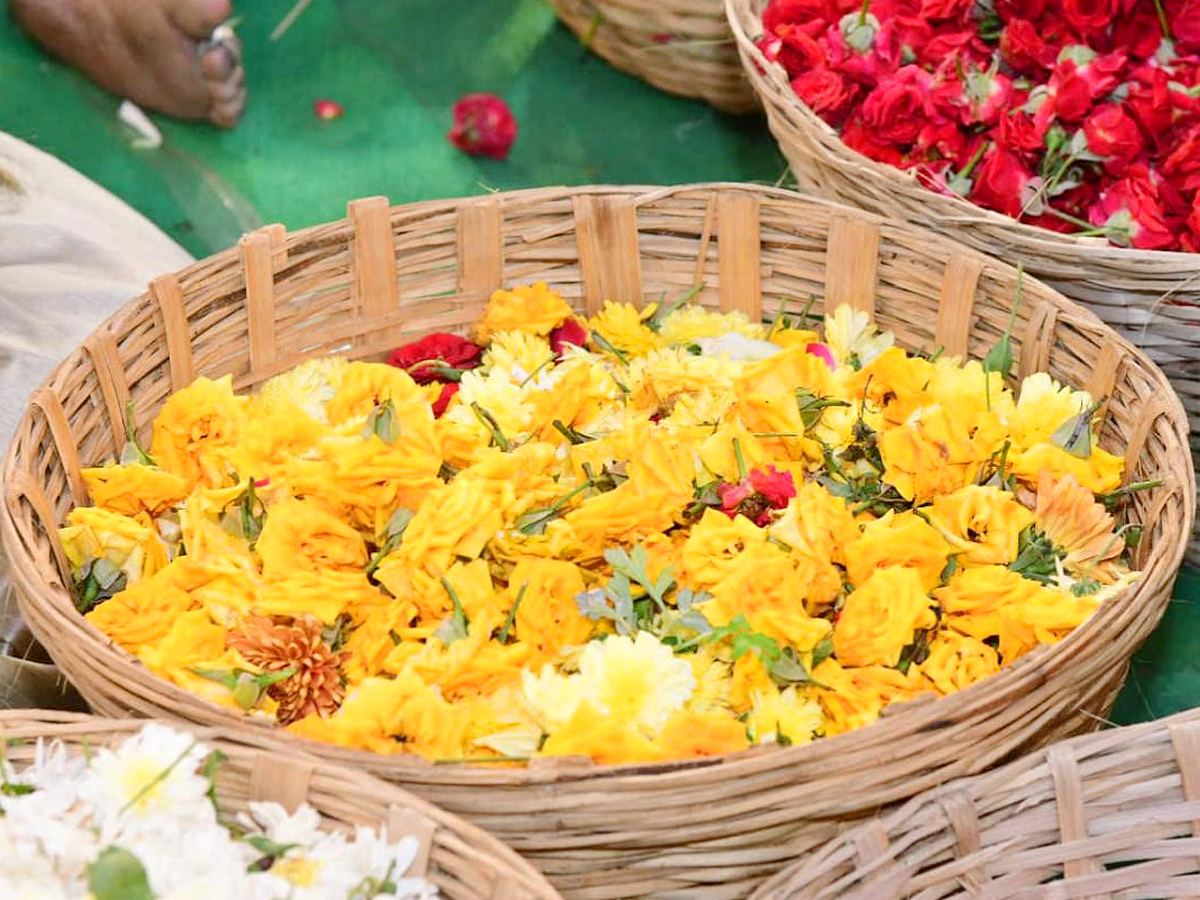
(1139, 34)
(861, 138)
(1149, 102)
(797, 12)
(448, 391)
(900, 107)
(1019, 9)
(1182, 164)
(483, 126)
(1021, 132)
(866, 67)
(571, 332)
(951, 48)
(1023, 49)
(1090, 17)
(757, 494)
(1003, 182)
(799, 52)
(1132, 209)
(1185, 24)
(947, 10)
(903, 37)
(828, 94)
(1114, 137)
(778, 487)
(437, 357)
(1076, 86)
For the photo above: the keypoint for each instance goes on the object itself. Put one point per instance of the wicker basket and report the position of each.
(705, 829)
(679, 46)
(1151, 297)
(464, 862)
(1110, 815)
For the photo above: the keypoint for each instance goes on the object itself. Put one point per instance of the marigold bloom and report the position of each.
(854, 697)
(534, 308)
(548, 618)
(898, 539)
(957, 661)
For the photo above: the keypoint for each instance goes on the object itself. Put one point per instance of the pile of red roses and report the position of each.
(1076, 115)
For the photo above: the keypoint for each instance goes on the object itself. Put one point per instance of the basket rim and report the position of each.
(924, 710)
(959, 210)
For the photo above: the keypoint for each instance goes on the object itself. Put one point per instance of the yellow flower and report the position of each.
(497, 395)
(636, 681)
(194, 426)
(659, 380)
(323, 594)
(307, 387)
(364, 386)
(981, 523)
(606, 738)
(685, 324)
(716, 544)
(623, 327)
(622, 515)
(134, 488)
(271, 438)
(932, 453)
(784, 717)
(548, 618)
(1080, 527)
(769, 593)
(851, 335)
(956, 661)
(1042, 407)
(126, 543)
(854, 697)
(791, 368)
(712, 681)
(894, 382)
(1100, 472)
(518, 354)
(881, 617)
(194, 639)
(301, 534)
(533, 308)
(783, 336)
(144, 613)
(472, 666)
(817, 526)
(690, 733)
(898, 539)
(749, 678)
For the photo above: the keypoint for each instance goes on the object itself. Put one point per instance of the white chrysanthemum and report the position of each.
(688, 323)
(518, 353)
(214, 864)
(42, 857)
(849, 332)
(301, 827)
(309, 386)
(737, 347)
(376, 858)
(150, 775)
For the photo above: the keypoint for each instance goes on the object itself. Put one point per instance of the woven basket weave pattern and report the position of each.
(706, 829)
(464, 862)
(1116, 814)
(680, 46)
(1151, 297)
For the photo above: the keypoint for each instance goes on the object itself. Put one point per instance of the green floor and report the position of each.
(397, 66)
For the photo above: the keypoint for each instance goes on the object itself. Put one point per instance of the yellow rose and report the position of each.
(534, 308)
(195, 426)
(816, 523)
(956, 661)
(930, 454)
(548, 618)
(981, 523)
(854, 697)
(781, 374)
(302, 534)
(716, 545)
(898, 539)
(880, 618)
(622, 515)
(145, 612)
(1042, 408)
(606, 739)
(364, 386)
(792, 337)
(770, 593)
(1100, 472)
(689, 734)
(895, 382)
(125, 543)
(134, 488)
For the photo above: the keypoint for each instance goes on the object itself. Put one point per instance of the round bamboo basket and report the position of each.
(1151, 297)
(680, 46)
(703, 829)
(1114, 814)
(464, 862)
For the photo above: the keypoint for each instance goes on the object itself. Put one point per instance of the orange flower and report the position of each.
(903, 539)
(316, 685)
(1068, 514)
(881, 617)
(193, 428)
(981, 523)
(690, 734)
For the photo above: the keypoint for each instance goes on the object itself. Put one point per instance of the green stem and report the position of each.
(512, 614)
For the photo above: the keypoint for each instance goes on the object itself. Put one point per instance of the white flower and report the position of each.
(849, 332)
(213, 865)
(301, 827)
(737, 346)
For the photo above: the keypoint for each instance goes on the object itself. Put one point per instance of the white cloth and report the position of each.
(70, 254)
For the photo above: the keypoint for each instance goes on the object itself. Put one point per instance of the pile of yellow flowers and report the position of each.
(652, 534)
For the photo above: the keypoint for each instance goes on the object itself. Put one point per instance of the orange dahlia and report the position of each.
(276, 644)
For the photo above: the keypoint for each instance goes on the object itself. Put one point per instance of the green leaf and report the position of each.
(393, 535)
(133, 452)
(268, 847)
(1075, 434)
(512, 614)
(383, 422)
(606, 603)
(573, 436)
(608, 347)
(489, 422)
(655, 321)
(811, 406)
(822, 651)
(118, 875)
(247, 687)
(454, 628)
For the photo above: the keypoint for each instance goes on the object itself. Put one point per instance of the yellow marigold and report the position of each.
(623, 327)
(701, 408)
(770, 593)
(981, 523)
(956, 661)
(898, 539)
(307, 387)
(194, 426)
(880, 618)
(134, 488)
(622, 515)
(685, 324)
(816, 523)
(607, 739)
(690, 733)
(548, 619)
(658, 380)
(144, 613)
(1100, 472)
(784, 717)
(1043, 406)
(854, 697)
(302, 534)
(128, 543)
(713, 687)
(472, 666)
(791, 368)
(269, 439)
(521, 355)
(533, 308)
(323, 594)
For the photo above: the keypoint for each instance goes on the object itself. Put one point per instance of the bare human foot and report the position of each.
(172, 56)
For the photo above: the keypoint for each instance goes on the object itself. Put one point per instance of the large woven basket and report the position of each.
(1111, 815)
(463, 861)
(679, 46)
(711, 828)
(1151, 297)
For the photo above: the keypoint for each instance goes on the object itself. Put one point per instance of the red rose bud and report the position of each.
(570, 332)
(483, 126)
(823, 351)
(437, 357)
(328, 109)
(444, 398)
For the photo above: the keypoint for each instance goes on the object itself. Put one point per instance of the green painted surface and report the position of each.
(397, 67)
